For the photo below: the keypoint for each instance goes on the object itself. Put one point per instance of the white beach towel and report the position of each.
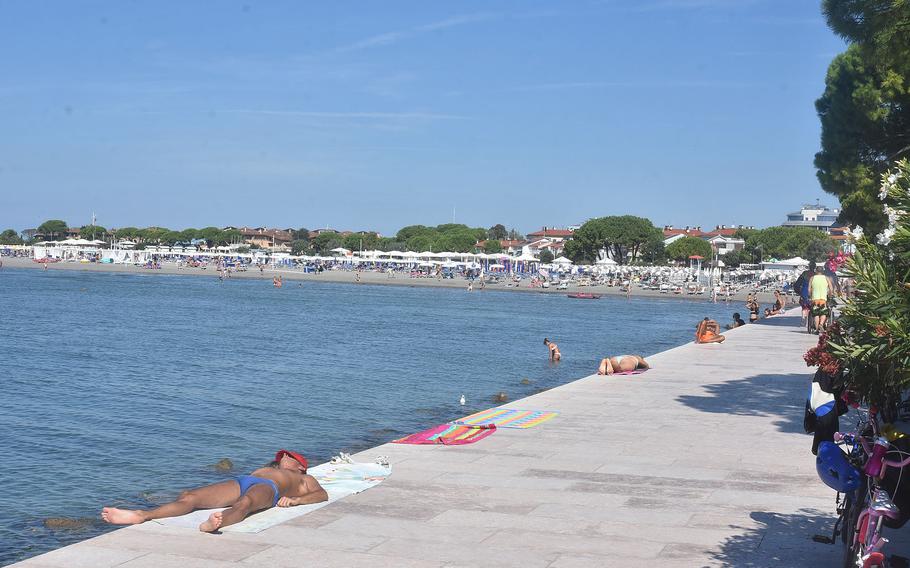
(338, 479)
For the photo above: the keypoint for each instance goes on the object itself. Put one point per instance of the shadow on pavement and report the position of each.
(796, 322)
(780, 396)
(783, 540)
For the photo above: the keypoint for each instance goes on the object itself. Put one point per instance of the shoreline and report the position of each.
(367, 278)
(520, 496)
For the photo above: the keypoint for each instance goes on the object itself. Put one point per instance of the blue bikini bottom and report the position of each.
(247, 481)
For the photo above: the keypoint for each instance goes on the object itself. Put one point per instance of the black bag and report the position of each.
(826, 425)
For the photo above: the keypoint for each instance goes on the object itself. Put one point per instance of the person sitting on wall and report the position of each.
(708, 331)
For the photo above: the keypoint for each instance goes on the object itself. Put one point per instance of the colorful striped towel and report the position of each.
(508, 418)
(449, 435)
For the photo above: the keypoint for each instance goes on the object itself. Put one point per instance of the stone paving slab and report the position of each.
(701, 461)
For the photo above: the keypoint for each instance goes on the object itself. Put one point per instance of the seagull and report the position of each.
(462, 400)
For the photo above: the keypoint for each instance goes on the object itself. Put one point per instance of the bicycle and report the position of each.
(866, 505)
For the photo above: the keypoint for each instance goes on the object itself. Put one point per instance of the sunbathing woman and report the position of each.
(284, 483)
(708, 331)
(555, 355)
(622, 364)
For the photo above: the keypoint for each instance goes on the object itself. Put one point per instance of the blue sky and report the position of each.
(376, 115)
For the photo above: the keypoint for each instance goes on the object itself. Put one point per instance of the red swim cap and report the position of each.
(293, 455)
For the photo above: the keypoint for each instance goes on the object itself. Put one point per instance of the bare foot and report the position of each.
(212, 524)
(121, 516)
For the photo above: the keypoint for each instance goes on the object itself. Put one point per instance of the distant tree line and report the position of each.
(449, 237)
(780, 243)
(629, 239)
(419, 238)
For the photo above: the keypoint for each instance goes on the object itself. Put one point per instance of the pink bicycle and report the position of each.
(868, 506)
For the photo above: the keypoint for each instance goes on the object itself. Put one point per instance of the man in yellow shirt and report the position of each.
(818, 297)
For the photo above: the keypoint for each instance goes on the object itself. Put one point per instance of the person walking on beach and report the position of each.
(622, 364)
(283, 483)
(554, 355)
(708, 331)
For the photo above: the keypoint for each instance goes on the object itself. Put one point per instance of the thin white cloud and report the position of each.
(570, 85)
(456, 21)
(693, 5)
(389, 38)
(349, 115)
(373, 41)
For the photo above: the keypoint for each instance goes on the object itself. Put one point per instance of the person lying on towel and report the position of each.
(283, 483)
(622, 364)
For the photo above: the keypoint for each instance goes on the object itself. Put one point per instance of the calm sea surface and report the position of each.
(124, 389)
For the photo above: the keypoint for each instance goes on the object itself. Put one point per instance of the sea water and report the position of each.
(123, 389)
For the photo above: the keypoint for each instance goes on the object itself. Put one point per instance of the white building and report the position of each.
(813, 216)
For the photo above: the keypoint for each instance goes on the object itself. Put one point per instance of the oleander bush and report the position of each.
(871, 340)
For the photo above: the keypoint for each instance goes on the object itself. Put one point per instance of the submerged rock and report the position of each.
(68, 523)
(500, 397)
(525, 381)
(224, 464)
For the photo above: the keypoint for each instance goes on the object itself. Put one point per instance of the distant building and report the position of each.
(815, 216)
(550, 233)
(536, 246)
(510, 247)
(266, 238)
(722, 238)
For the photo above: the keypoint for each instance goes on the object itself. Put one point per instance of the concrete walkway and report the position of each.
(699, 462)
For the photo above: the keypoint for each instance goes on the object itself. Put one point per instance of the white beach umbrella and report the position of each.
(562, 260)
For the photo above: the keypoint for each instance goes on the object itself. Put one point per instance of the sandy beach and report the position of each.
(366, 278)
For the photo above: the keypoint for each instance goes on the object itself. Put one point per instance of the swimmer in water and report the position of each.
(622, 364)
(555, 355)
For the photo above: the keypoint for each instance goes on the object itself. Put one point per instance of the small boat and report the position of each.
(584, 296)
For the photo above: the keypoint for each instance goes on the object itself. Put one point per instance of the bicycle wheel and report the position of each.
(854, 502)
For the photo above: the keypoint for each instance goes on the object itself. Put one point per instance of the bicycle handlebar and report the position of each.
(866, 444)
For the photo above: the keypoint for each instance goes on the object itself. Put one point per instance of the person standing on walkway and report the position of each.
(819, 286)
(801, 287)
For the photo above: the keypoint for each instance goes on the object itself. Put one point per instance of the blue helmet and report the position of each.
(834, 469)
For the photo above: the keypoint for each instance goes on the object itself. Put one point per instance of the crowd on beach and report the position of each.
(719, 285)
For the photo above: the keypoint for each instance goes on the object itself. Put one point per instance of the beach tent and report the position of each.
(341, 250)
(562, 260)
(605, 262)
